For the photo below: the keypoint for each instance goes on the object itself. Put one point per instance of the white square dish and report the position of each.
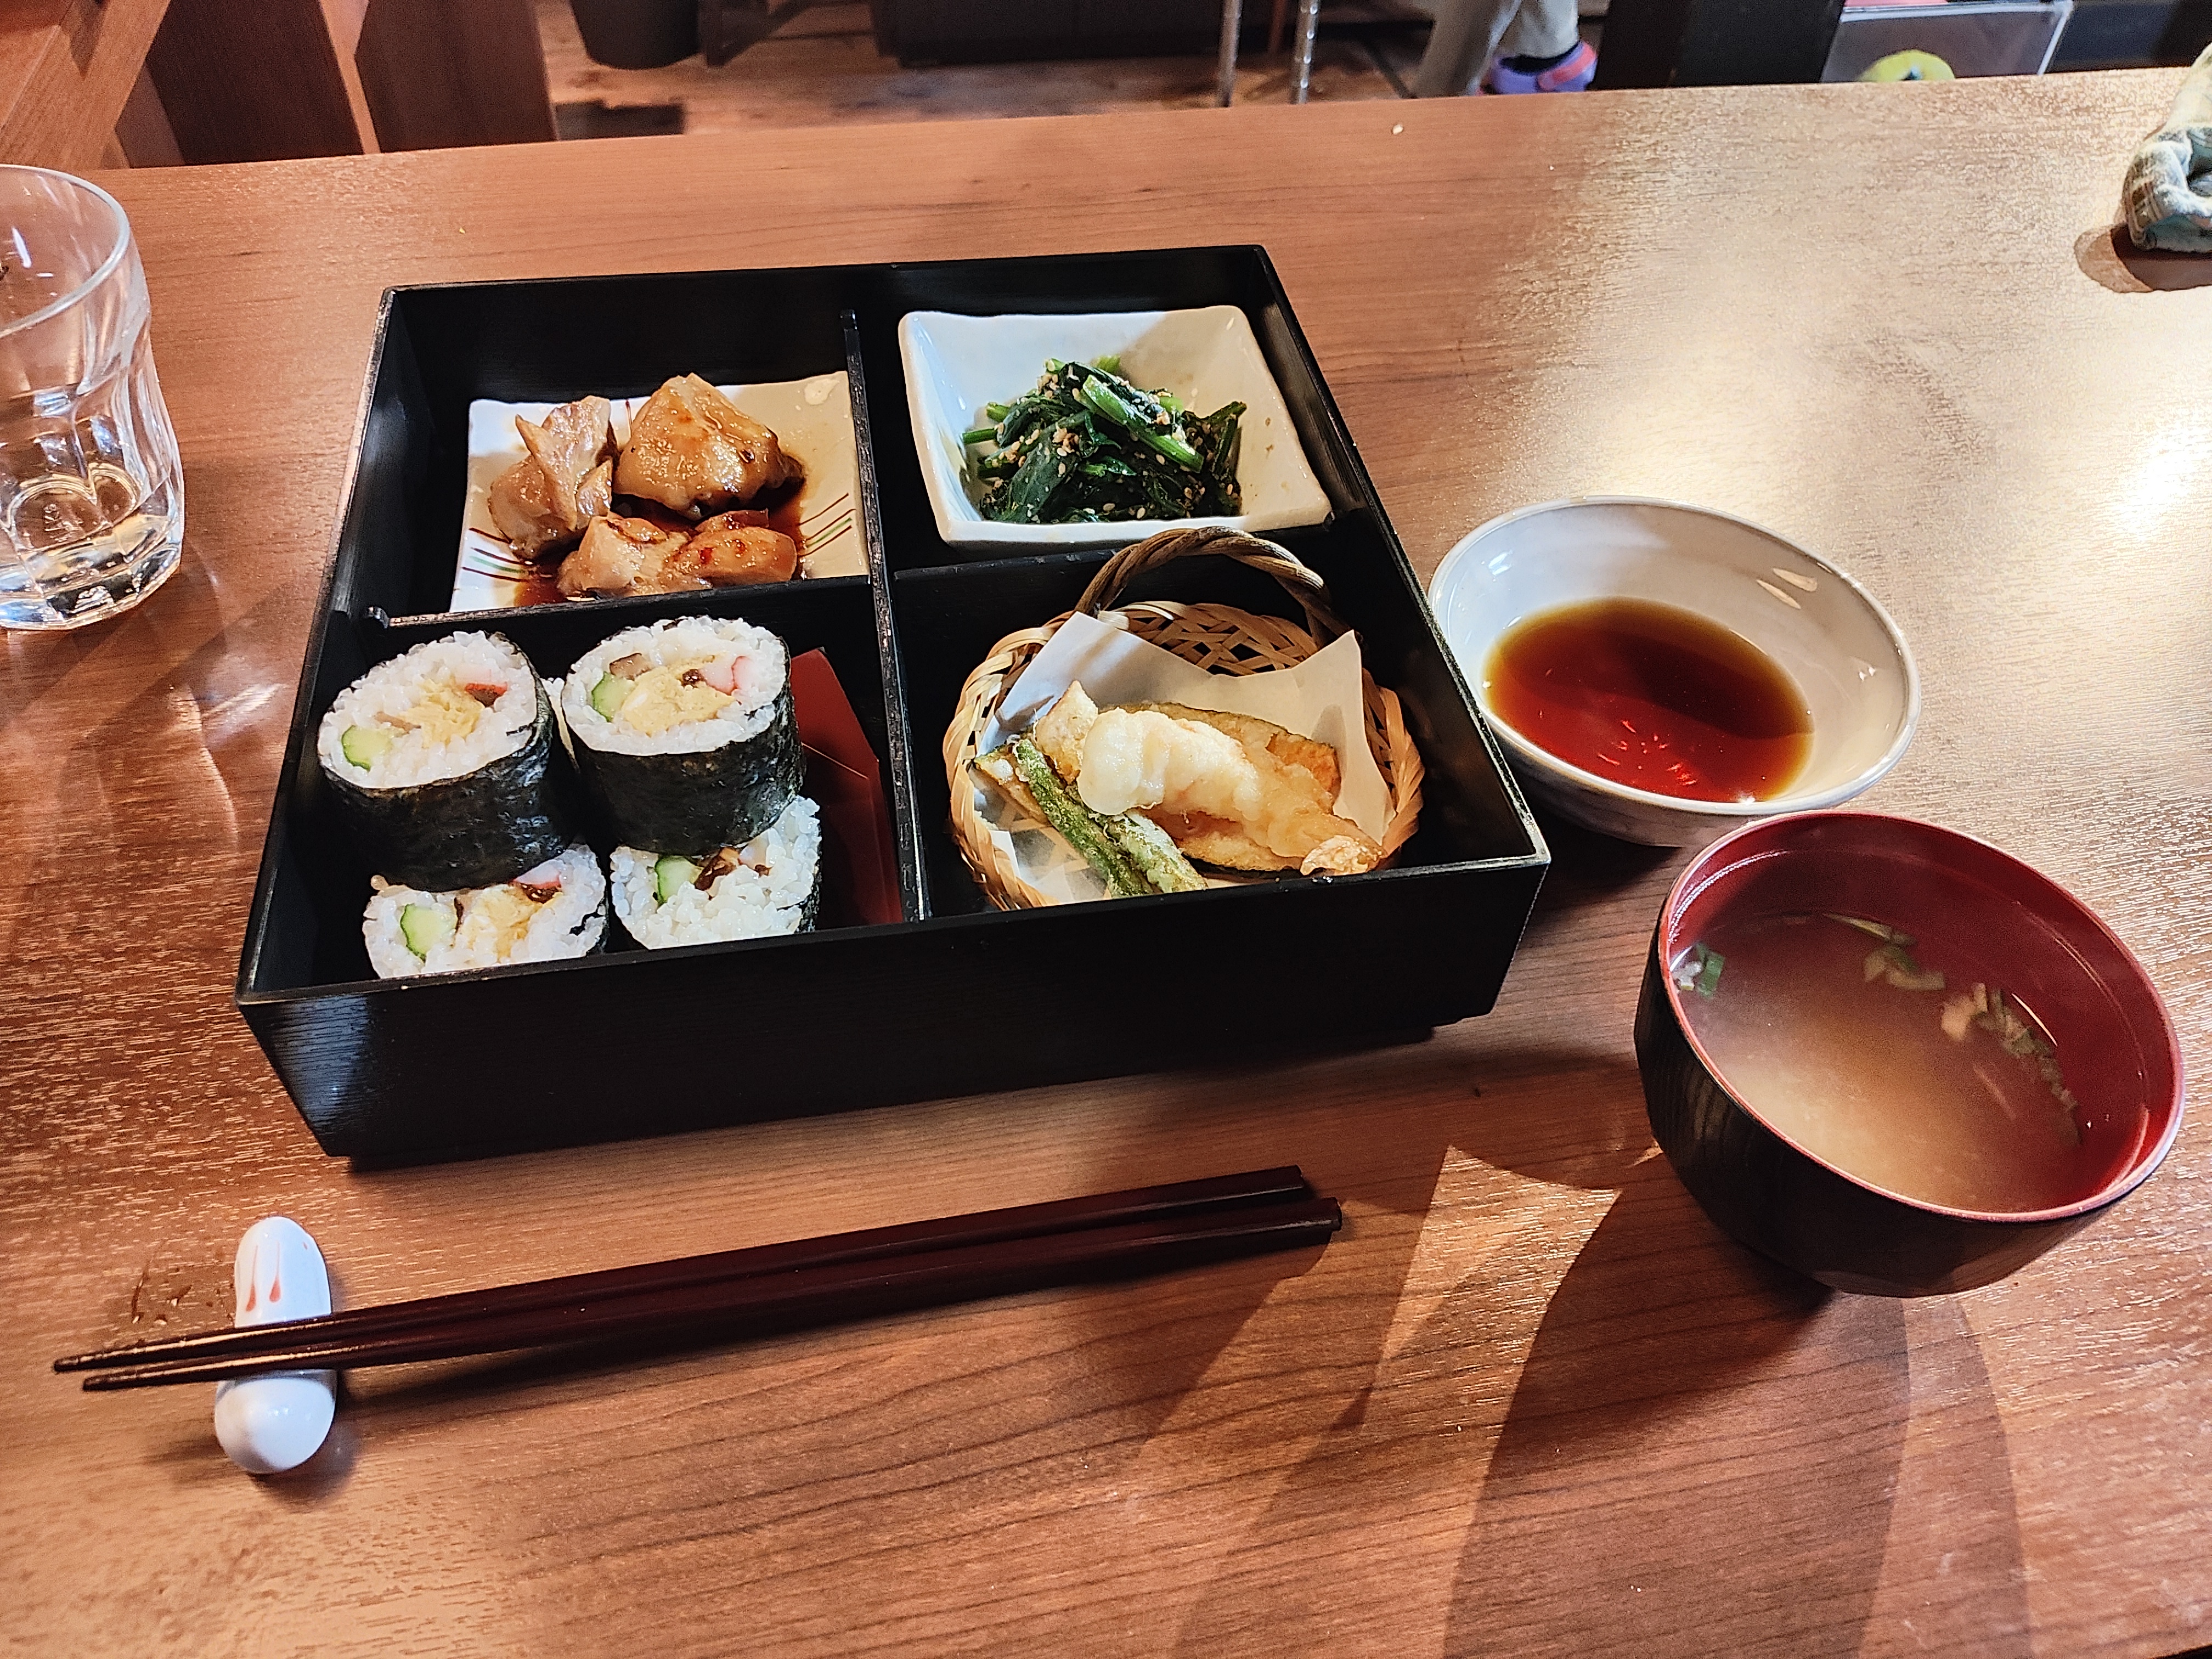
(955, 364)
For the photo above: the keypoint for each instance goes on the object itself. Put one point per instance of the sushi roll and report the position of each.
(770, 885)
(685, 734)
(557, 910)
(442, 765)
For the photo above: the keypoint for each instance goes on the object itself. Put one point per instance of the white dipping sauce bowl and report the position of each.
(1819, 626)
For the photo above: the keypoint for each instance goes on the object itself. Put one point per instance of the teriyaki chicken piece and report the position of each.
(542, 503)
(691, 449)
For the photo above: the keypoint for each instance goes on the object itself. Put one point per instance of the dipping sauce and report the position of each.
(1889, 1059)
(1652, 696)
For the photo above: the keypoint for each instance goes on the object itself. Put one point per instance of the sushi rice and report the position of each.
(761, 666)
(489, 926)
(771, 891)
(433, 674)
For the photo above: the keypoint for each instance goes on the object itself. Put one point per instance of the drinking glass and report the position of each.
(91, 507)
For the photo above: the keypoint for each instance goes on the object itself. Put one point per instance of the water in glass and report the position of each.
(92, 512)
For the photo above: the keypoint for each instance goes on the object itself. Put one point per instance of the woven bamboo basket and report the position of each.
(1217, 638)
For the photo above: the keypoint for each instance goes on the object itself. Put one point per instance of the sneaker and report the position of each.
(1572, 73)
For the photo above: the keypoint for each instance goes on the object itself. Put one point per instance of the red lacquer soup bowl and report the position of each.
(1764, 1186)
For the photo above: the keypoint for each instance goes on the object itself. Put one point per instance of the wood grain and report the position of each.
(253, 80)
(1531, 1400)
(437, 76)
(66, 70)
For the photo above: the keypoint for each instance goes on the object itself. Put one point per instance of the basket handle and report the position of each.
(1296, 579)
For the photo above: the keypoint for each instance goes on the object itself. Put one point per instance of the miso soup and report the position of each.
(1914, 1073)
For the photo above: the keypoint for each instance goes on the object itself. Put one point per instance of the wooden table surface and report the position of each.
(1530, 1399)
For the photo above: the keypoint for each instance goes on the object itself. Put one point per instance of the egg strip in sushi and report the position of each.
(684, 733)
(442, 764)
(549, 914)
(770, 885)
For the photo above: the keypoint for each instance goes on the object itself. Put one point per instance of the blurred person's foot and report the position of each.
(1570, 71)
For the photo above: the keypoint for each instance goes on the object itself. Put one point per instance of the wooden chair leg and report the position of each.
(1279, 16)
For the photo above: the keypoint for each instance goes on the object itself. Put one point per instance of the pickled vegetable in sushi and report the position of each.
(684, 733)
(771, 886)
(442, 765)
(547, 913)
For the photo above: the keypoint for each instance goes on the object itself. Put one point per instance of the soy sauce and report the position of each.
(1652, 696)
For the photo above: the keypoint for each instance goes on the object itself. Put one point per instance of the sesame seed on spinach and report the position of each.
(1086, 445)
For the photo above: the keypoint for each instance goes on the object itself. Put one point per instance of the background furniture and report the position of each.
(1302, 48)
(68, 69)
(2107, 33)
(991, 31)
(1715, 43)
(1530, 1399)
(436, 75)
(650, 33)
(154, 83)
(1686, 43)
(1974, 36)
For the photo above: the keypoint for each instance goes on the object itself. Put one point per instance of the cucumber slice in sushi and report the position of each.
(771, 886)
(362, 746)
(552, 912)
(607, 695)
(701, 752)
(671, 874)
(442, 766)
(424, 928)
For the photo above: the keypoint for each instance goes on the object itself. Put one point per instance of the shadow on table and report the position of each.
(1700, 1441)
(1695, 1443)
(1954, 1541)
(933, 1425)
(1387, 1436)
(1125, 1356)
(908, 1424)
(1705, 1445)
(1587, 865)
(1594, 871)
(196, 1459)
(2109, 257)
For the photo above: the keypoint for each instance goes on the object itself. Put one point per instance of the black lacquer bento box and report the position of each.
(953, 996)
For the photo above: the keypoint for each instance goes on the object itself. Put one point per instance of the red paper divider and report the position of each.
(860, 851)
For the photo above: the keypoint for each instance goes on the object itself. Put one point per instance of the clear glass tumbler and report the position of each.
(92, 501)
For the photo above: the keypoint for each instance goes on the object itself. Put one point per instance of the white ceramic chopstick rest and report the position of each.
(274, 1423)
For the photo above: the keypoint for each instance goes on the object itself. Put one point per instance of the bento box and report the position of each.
(910, 985)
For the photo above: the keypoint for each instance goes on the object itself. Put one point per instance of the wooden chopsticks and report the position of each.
(845, 1275)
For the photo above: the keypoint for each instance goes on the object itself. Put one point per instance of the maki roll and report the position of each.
(770, 885)
(684, 733)
(557, 910)
(442, 765)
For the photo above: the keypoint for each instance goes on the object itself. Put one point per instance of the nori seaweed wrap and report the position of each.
(445, 769)
(685, 734)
